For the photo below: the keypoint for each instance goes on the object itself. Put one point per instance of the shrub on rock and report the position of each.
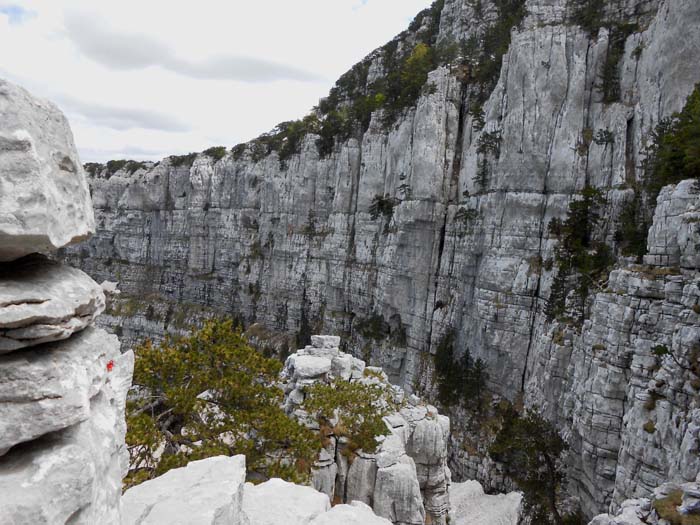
(211, 394)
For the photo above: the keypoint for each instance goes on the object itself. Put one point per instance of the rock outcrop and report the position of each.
(470, 506)
(63, 382)
(407, 477)
(42, 301)
(44, 198)
(205, 492)
(356, 513)
(633, 415)
(465, 248)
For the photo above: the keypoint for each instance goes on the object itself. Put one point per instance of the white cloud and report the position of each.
(129, 51)
(152, 78)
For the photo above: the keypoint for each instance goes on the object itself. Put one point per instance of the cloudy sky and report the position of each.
(144, 79)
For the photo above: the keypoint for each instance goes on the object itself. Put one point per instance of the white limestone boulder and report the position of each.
(44, 198)
(43, 301)
(632, 512)
(361, 478)
(277, 502)
(470, 506)
(206, 492)
(52, 387)
(309, 366)
(73, 475)
(357, 513)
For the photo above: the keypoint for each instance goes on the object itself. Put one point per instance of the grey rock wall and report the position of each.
(296, 250)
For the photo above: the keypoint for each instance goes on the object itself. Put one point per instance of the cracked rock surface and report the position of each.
(43, 301)
(63, 381)
(44, 198)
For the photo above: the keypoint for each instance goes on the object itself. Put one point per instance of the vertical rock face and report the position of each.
(632, 416)
(407, 477)
(294, 246)
(63, 382)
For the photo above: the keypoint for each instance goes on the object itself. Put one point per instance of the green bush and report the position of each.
(215, 153)
(481, 178)
(489, 143)
(382, 206)
(667, 509)
(373, 327)
(674, 153)
(113, 166)
(609, 78)
(589, 14)
(631, 234)
(461, 380)
(209, 394)
(531, 451)
(349, 409)
(580, 259)
(238, 150)
(183, 160)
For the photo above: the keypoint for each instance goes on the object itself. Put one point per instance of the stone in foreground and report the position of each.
(44, 199)
(357, 513)
(277, 502)
(43, 301)
(470, 506)
(52, 387)
(206, 492)
(72, 475)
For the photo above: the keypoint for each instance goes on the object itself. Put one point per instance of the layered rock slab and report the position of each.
(72, 475)
(206, 492)
(43, 301)
(50, 387)
(44, 198)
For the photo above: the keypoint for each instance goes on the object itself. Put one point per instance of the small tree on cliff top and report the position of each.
(210, 394)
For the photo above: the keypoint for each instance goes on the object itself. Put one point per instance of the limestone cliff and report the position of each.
(439, 222)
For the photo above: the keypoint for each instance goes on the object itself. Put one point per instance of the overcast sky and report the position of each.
(144, 79)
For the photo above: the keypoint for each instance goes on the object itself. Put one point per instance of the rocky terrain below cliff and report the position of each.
(432, 217)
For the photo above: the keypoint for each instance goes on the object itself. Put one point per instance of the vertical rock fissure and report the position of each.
(452, 190)
(543, 214)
